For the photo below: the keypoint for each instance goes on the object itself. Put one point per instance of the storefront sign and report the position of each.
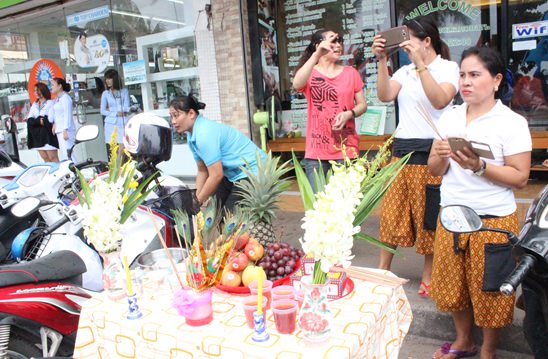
(135, 72)
(93, 51)
(529, 29)
(87, 16)
(44, 70)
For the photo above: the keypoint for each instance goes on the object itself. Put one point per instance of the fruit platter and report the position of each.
(251, 260)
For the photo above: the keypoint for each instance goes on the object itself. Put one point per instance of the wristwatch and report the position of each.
(482, 168)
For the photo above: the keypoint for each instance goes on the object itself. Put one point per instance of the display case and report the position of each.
(172, 68)
(171, 64)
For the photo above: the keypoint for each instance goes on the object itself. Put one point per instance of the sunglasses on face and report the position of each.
(338, 39)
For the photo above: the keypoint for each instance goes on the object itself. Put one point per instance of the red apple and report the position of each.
(230, 278)
(241, 241)
(254, 251)
(238, 262)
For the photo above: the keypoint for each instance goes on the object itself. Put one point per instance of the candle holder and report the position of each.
(260, 334)
(134, 312)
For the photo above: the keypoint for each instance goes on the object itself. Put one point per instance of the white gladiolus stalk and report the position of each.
(328, 226)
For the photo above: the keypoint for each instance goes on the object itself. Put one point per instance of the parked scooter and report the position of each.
(64, 231)
(40, 306)
(8, 144)
(48, 181)
(530, 251)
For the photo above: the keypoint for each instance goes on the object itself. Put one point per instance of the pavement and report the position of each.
(430, 327)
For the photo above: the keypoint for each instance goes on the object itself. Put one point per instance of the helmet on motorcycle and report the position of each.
(148, 137)
(20, 244)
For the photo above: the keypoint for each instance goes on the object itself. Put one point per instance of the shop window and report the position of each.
(528, 61)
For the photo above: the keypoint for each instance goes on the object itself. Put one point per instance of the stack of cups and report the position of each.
(284, 308)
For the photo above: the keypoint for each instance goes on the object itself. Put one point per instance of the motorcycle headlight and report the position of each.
(33, 176)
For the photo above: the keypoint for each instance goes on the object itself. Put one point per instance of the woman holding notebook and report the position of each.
(424, 88)
(486, 185)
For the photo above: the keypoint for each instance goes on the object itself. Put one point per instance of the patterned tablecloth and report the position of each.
(370, 322)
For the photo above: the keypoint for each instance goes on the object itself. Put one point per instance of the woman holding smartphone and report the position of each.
(335, 97)
(430, 81)
(485, 185)
(39, 127)
(61, 117)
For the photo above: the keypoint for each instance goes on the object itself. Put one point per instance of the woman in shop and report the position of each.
(219, 150)
(60, 115)
(39, 128)
(487, 187)
(430, 81)
(115, 107)
(335, 97)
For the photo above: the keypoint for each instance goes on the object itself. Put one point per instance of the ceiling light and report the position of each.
(177, 2)
(169, 21)
(129, 14)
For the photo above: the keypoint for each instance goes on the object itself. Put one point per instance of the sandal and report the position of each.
(424, 290)
(446, 349)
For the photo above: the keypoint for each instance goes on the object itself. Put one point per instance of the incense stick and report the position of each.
(428, 118)
(159, 234)
(383, 279)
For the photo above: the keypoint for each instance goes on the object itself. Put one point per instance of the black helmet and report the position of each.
(148, 137)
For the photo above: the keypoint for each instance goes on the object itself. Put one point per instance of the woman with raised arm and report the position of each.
(335, 97)
(425, 87)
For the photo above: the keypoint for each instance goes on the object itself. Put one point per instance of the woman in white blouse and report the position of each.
(61, 116)
(115, 107)
(40, 134)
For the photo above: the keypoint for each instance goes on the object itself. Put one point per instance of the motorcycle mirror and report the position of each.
(460, 219)
(87, 133)
(5, 159)
(25, 206)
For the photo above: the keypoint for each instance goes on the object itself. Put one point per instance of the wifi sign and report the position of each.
(530, 29)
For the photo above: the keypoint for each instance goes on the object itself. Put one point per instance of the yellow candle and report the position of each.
(260, 295)
(128, 278)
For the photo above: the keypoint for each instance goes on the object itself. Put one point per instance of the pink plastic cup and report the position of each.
(285, 315)
(250, 306)
(300, 297)
(267, 288)
(283, 292)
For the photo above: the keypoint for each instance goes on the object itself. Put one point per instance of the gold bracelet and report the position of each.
(424, 68)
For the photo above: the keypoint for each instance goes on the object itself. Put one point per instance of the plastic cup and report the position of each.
(194, 306)
(285, 315)
(267, 288)
(283, 292)
(249, 304)
(300, 297)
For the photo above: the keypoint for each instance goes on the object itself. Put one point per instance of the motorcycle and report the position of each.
(8, 144)
(530, 252)
(40, 304)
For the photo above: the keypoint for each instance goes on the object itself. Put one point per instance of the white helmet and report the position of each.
(148, 136)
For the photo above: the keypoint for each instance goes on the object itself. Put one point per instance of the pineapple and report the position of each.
(260, 195)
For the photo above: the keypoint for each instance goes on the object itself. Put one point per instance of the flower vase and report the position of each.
(315, 317)
(113, 275)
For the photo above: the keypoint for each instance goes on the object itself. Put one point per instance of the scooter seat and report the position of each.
(57, 266)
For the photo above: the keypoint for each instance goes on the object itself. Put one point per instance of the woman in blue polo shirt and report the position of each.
(219, 150)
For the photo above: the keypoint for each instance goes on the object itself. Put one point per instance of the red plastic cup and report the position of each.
(250, 306)
(267, 294)
(283, 292)
(285, 315)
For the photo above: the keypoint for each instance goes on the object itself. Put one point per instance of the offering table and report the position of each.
(369, 322)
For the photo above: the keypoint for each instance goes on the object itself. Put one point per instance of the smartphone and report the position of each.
(395, 36)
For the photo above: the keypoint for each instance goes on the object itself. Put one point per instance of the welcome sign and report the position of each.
(529, 29)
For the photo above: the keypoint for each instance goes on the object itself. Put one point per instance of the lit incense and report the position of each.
(260, 295)
(128, 278)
